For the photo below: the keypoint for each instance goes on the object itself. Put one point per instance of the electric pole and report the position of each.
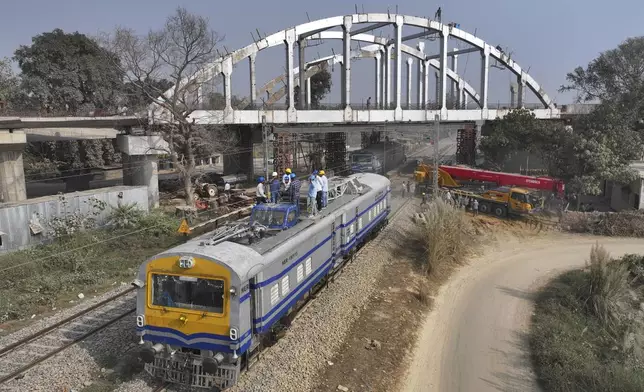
(437, 123)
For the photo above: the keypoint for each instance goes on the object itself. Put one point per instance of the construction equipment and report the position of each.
(503, 201)
(458, 176)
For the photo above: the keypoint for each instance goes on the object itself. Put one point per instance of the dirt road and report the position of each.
(474, 339)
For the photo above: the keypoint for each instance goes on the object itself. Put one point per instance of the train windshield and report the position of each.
(187, 292)
(268, 217)
(361, 158)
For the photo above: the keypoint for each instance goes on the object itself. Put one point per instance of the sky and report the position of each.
(548, 37)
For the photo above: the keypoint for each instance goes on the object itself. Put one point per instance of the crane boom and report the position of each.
(506, 179)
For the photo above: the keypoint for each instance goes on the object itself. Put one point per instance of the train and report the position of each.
(207, 307)
(378, 158)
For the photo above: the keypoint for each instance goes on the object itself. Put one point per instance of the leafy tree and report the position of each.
(9, 82)
(137, 96)
(69, 72)
(320, 86)
(176, 52)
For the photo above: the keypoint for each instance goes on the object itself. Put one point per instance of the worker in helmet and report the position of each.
(311, 202)
(260, 195)
(325, 188)
(294, 191)
(424, 199)
(286, 178)
(275, 188)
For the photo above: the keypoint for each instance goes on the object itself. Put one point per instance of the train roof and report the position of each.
(245, 259)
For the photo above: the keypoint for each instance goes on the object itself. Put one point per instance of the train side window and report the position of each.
(300, 273)
(285, 285)
(275, 294)
(369, 215)
(359, 223)
(351, 229)
(307, 266)
(384, 202)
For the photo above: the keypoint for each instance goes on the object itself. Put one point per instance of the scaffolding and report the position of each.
(466, 146)
(283, 151)
(335, 155)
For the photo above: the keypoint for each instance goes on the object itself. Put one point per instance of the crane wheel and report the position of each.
(484, 208)
(499, 211)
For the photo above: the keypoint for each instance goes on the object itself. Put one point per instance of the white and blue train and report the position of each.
(205, 308)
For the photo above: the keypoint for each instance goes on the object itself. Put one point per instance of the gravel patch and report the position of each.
(295, 361)
(79, 365)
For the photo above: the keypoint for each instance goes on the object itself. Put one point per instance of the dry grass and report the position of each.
(606, 291)
(448, 238)
(587, 330)
(614, 224)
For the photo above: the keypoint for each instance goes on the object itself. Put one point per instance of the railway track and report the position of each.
(20, 356)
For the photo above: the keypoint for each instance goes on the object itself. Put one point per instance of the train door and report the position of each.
(343, 230)
(335, 251)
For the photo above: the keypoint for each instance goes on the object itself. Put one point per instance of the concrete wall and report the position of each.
(626, 197)
(19, 220)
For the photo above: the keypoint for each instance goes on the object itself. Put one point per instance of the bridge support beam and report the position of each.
(420, 75)
(253, 79)
(346, 63)
(140, 162)
(443, 71)
(438, 89)
(388, 51)
(485, 71)
(289, 42)
(410, 64)
(12, 173)
(377, 98)
(460, 92)
(425, 84)
(398, 69)
(513, 95)
(308, 93)
(454, 85)
(301, 44)
(521, 91)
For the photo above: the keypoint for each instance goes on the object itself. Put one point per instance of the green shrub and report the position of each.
(38, 278)
(586, 332)
(125, 216)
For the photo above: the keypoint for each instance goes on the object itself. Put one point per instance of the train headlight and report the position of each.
(234, 334)
(140, 320)
(186, 262)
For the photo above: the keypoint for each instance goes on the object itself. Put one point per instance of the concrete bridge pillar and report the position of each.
(289, 42)
(12, 174)
(521, 90)
(410, 64)
(454, 85)
(301, 44)
(443, 71)
(438, 88)
(253, 78)
(485, 71)
(425, 101)
(140, 162)
(308, 93)
(513, 95)
(346, 62)
(420, 75)
(388, 51)
(398, 68)
(377, 99)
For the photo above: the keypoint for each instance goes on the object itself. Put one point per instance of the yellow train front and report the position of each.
(193, 315)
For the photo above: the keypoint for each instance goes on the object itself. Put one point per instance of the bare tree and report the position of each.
(177, 53)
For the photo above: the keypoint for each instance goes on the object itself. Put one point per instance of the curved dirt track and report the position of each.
(474, 338)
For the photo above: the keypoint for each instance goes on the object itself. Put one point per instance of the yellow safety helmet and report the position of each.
(288, 171)
(321, 172)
